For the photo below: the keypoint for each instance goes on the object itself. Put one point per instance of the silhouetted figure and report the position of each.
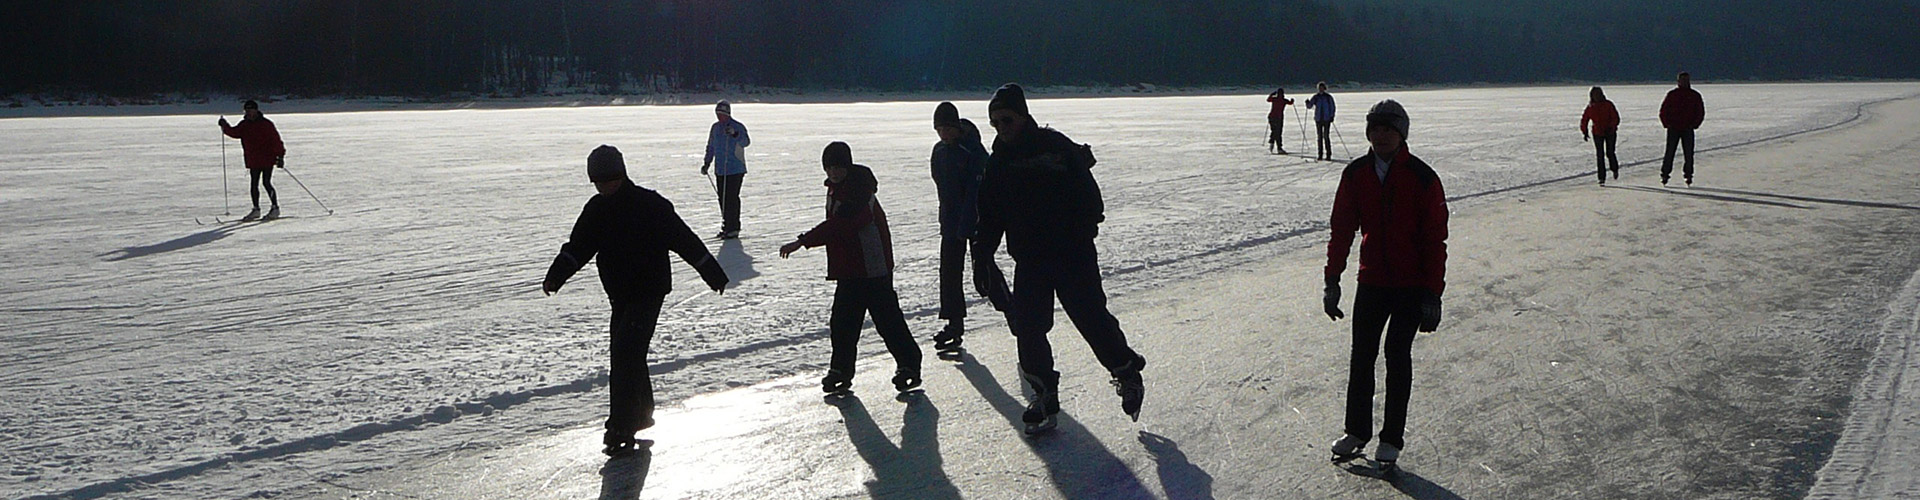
(1606, 122)
(1681, 113)
(1039, 192)
(261, 146)
(860, 263)
(727, 143)
(630, 229)
(959, 160)
(1322, 105)
(1277, 120)
(1396, 202)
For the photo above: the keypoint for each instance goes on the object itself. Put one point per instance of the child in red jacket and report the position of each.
(860, 262)
(1606, 121)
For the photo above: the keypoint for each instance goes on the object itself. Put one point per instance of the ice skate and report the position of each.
(906, 380)
(837, 384)
(947, 342)
(1042, 410)
(619, 444)
(1348, 449)
(1387, 455)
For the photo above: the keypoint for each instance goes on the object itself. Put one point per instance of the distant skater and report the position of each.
(1606, 122)
(959, 160)
(1040, 193)
(727, 143)
(1395, 200)
(860, 263)
(1322, 105)
(1681, 113)
(630, 229)
(261, 146)
(1277, 120)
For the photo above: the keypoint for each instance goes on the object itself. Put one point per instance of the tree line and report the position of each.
(530, 47)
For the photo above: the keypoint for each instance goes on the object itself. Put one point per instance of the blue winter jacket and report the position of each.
(957, 169)
(727, 151)
(1322, 104)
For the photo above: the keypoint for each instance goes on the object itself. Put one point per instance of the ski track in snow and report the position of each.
(142, 349)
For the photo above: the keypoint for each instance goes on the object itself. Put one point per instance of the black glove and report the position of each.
(1332, 298)
(1430, 312)
(714, 275)
(989, 282)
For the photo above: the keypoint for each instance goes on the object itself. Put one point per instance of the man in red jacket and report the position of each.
(1396, 202)
(263, 151)
(1681, 113)
(860, 262)
(1606, 121)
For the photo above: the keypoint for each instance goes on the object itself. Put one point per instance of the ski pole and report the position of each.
(225, 207)
(303, 187)
(1302, 122)
(1343, 141)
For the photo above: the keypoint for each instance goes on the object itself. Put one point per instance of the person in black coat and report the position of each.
(630, 229)
(1039, 193)
(958, 163)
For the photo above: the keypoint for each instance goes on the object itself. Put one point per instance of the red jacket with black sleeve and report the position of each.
(1683, 109)
(1402, 223)
(1605, 119)
(855, 232)
(260, 140)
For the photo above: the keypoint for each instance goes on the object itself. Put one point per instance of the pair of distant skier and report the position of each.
(1681, 113)
(1322, 105)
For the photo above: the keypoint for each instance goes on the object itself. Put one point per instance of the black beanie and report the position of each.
(946, 115)
(837, 154)
(1009, 96)
(250, 105)
(605, 164)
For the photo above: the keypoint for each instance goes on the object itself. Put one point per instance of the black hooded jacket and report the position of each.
(1039, 191)
(631, 231)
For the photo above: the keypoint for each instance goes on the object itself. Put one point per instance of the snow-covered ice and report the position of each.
(147, 353)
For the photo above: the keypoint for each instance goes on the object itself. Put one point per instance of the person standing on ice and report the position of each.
(1322, 105)
(1277, 119)
(958, 162)
(860, 263)
(1039, 192)
(1681, 113)
(630, 229)
(1606, 122)
(1395, 200)
(260, 142)
(727, 143)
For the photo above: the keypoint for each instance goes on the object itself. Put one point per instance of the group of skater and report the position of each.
(1036, 190)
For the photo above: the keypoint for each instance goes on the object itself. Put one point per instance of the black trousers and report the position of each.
(1325, 149)
(953, 265)
(1074, 277)
(1603, 154)
(259, 177)
(1274, 126)
(1684, 139)
(853, 300)
(729, 192)
(630, 383)
(1397, 310)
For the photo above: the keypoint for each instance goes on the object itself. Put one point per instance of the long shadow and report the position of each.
(1715, 197)
(1181, 478)
(734, 258)
(1076, 461)
(1853, 203)
(910, 470)
(1419, 488)
(623, 478)
(183, 242)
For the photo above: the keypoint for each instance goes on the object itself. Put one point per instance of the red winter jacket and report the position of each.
(260, 140)
(1606, 119)
(1279, 107)
(1683, 109)
(855, 232)
(1402, 224)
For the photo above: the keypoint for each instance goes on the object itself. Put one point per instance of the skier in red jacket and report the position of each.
(1681, 113)
(1606, 121)
(263, 151)
(1396, 202)
(860, 262)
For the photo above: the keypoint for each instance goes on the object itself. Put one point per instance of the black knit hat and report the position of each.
(250, 105)
(605, 164)
(1389, 113)
(1009, 96)
(837, 154)
(946, 115)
